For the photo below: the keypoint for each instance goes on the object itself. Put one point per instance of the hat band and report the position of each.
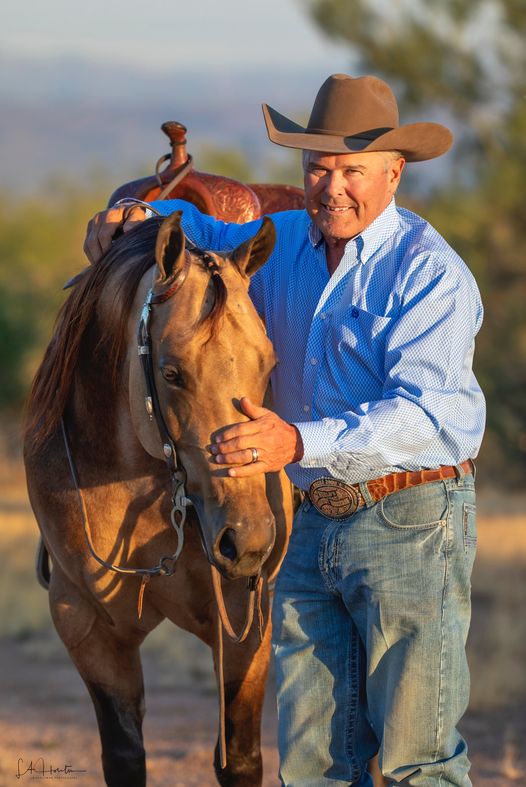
(366, 135)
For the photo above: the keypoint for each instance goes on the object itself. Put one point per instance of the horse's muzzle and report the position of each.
(241, 549)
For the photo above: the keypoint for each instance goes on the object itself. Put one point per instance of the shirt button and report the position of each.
(314, 361)
(323, 316)
(306, 408)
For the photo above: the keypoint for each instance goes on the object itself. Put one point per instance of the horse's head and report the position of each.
(209, 348)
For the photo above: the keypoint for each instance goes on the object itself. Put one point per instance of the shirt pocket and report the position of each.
(357, 338)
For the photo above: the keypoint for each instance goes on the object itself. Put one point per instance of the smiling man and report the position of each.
(346, 192)
(378, 417)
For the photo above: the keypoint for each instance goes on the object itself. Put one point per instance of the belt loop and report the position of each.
(461, 474)
(364, 489)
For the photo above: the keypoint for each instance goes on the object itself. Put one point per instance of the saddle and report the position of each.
(216, 195)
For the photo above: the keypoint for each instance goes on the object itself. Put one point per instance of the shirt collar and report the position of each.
(373, 236)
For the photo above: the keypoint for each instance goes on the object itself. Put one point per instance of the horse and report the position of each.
(119, 420)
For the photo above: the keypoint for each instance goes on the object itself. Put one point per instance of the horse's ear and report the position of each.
(169, 248)
(253, 253)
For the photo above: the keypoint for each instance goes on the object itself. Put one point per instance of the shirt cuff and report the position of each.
(318, 443)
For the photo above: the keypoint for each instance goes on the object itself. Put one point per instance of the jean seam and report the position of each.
(443, 646)
(470, 541)
(352, 703)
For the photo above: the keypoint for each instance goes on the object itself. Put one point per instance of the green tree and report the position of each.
(41, 242)
(463, 63)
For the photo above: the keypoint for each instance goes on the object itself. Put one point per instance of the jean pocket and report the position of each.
(469, 518)
(417, 508)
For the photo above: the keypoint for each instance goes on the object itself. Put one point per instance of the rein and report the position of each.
(180, 501)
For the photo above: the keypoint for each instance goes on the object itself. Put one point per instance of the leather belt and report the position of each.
(338, 500)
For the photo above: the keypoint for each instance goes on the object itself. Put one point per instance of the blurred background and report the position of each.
(84, 88)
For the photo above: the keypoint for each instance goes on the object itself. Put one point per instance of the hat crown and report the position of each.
(349, 106)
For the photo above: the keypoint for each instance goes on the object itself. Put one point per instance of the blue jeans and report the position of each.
(370, 621)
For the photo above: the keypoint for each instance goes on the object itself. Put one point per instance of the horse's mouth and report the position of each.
(228, 552)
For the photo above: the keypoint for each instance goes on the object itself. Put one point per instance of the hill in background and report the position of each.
(74, 117)
(77, 119)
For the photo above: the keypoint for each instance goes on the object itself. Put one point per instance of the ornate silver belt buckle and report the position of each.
(334, 499)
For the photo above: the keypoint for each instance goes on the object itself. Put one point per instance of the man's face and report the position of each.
(344, 193)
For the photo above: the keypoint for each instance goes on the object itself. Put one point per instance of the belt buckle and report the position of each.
(334, 499)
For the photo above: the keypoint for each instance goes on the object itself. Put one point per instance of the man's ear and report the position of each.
(253, 253)
(397, 168)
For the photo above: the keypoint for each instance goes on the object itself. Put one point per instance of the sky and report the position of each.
(87, 83)
(207, 33)
(171, 59)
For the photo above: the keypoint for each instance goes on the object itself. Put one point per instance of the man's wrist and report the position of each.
(298, 448)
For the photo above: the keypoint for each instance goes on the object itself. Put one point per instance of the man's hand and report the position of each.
(277, 443)
(103, 226)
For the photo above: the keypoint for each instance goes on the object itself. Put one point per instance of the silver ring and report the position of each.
(255, 455)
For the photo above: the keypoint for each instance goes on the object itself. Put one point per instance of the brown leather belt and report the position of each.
(337, 500)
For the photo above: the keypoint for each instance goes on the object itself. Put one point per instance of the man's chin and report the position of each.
(337, 229)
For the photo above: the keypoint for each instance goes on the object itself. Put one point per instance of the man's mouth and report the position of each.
(336, 208)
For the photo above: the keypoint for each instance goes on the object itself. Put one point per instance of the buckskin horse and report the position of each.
(119, 418)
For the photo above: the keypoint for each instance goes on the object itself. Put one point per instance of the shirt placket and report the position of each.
(314, 354)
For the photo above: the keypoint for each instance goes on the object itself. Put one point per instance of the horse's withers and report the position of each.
(209, 348)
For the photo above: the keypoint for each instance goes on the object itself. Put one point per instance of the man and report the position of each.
(378, 415)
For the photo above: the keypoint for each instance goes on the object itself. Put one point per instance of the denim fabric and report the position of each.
(370, 620)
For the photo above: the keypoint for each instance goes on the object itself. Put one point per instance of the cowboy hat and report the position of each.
(354, 115)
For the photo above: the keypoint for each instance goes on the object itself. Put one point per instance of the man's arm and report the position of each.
(205, 231)
(428, 355)
(428, 382)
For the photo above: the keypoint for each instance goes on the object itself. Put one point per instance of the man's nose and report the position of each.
(335, 184)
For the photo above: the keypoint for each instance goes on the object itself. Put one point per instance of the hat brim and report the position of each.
(415, 141)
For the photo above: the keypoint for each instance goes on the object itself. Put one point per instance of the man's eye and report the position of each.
(172, 375)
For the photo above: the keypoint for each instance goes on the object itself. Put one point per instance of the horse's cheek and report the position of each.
(144, 427)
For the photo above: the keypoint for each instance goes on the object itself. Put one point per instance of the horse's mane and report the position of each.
(127, 260)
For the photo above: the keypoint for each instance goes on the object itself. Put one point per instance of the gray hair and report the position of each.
(388, 156)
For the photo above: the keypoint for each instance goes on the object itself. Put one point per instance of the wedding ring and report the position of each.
(255, 455)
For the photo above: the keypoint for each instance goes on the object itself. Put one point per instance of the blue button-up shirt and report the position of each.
(375, 361)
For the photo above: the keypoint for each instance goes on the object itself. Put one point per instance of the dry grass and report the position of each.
(496, 646)
(497, 642)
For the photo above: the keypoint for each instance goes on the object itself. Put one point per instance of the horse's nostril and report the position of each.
(227, 546)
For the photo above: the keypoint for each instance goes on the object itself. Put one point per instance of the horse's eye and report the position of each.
(172, 375)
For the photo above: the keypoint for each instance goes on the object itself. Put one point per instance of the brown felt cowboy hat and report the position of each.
(357, 114)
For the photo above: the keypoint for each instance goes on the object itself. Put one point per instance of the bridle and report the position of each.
(179, 499)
